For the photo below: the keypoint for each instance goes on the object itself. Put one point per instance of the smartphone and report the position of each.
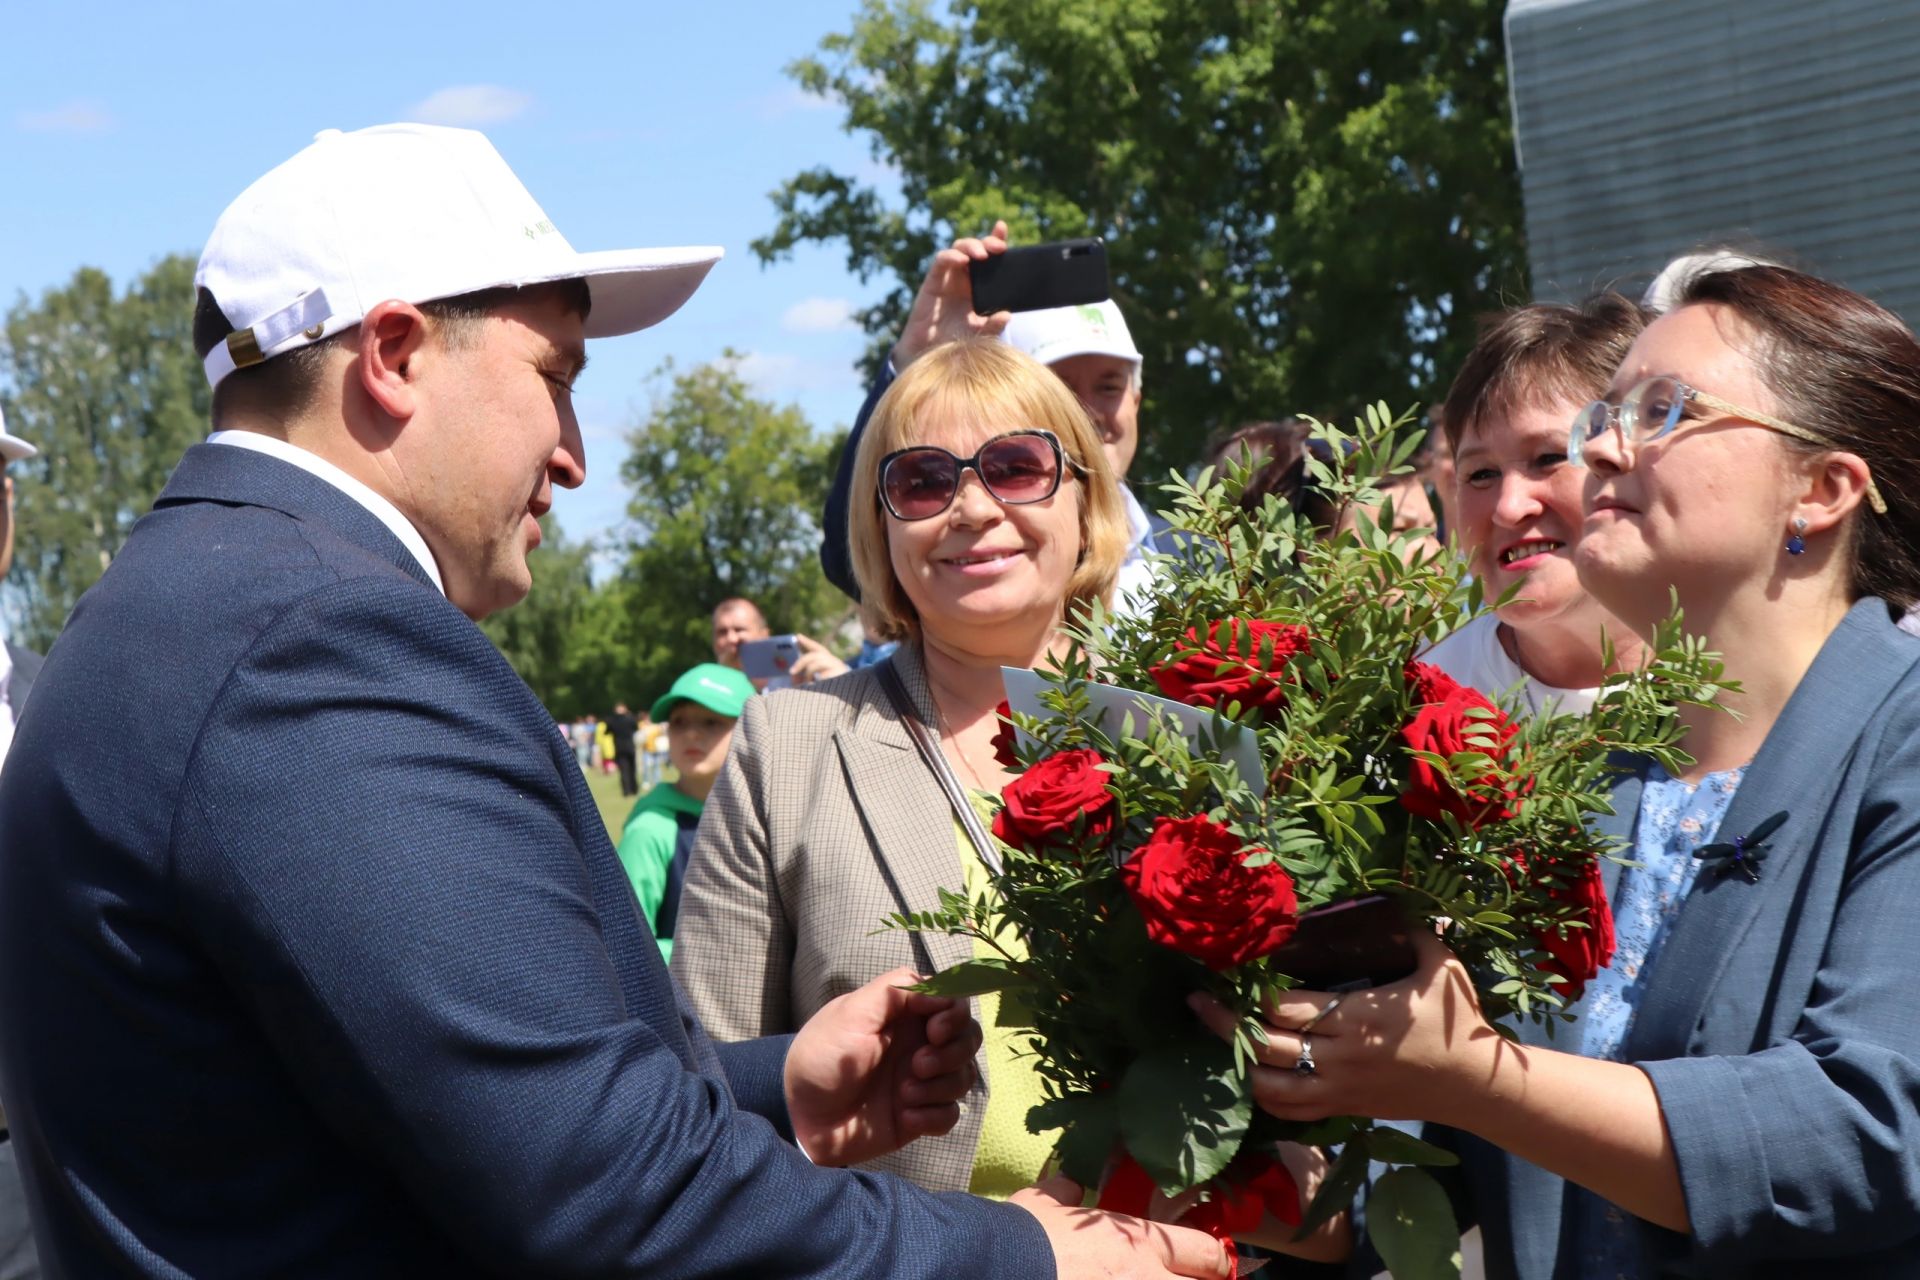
(1345, 946)
(765, 659)
(1063, 273)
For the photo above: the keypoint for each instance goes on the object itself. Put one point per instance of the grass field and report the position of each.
(613, 805)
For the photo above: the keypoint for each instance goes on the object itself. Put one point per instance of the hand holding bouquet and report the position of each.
(1147, 855)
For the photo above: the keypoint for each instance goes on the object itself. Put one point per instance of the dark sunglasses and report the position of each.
(1016, 468)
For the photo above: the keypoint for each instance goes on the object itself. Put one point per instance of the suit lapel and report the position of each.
(895, 794)
(1798, 770)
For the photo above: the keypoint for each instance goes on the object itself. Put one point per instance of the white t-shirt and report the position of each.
(1474, 656)
(1133, 587)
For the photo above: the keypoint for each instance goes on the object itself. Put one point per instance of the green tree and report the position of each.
(539, 635)
(727, 491)
(1306, 203)
(109, 388)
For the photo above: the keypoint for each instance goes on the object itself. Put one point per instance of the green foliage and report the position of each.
(1299, 197)
(1184, 1110)
(1108, 1003)
(108, 387)
(1411, 1224)
(540, 635)
(726, 491)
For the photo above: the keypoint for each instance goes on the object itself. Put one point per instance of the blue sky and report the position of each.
(126, 127)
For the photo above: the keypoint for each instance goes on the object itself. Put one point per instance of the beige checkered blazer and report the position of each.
(824, 822)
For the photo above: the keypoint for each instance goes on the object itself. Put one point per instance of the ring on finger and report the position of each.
(1303, 1066)
(1314, 1021)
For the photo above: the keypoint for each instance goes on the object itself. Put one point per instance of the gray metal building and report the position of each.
(1647, 128)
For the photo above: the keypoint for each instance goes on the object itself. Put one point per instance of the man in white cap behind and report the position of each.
(1087, 347)
(330, 969)
(18, 667)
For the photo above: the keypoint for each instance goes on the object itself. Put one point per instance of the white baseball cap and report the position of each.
(414, 212)
(13, 448)
(1060, 333)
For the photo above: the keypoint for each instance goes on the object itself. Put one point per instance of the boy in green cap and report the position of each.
(699, 712)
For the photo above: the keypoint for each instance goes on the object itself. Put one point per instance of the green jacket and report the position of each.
(647, 846)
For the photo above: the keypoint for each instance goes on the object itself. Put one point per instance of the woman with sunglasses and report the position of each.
(988, 516)
(1740, 1095)
(1517, 507)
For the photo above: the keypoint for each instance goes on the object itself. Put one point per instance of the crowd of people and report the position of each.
(334, 969)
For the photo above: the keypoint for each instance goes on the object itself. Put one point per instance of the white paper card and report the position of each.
(1126, 713)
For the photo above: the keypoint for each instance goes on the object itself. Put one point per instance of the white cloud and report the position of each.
(818, 315)
(781, 375)
(469, 105)
(83, 115)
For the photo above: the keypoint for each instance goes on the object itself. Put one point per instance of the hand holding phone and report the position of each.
(765, 659)
(1035, 277)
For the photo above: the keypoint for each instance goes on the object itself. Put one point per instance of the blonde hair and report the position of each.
(975, 374)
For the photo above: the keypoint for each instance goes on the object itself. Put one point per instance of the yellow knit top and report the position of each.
(1009, 1157)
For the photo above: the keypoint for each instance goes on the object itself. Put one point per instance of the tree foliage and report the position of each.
(1306, 202)
(726, 495)
(539, 635)
(108, 387)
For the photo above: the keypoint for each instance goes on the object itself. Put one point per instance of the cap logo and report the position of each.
(1093, 316)
(534, 230)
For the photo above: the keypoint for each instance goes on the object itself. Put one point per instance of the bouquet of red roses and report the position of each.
(1254, 783)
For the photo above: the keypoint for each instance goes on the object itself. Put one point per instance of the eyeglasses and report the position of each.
(1655, 407)
(1017, 468)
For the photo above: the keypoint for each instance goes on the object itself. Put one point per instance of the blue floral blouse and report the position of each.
(1675, 819)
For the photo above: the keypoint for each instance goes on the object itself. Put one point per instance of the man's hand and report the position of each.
(943, 309)
(877, 1068)
(816, 662)
(1091, 1245)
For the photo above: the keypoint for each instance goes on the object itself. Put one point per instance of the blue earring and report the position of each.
(1797, 545)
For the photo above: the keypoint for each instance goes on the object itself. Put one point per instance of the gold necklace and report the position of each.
(947, 728)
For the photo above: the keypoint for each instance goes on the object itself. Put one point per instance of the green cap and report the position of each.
(721, 690)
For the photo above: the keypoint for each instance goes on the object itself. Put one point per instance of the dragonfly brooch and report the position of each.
(1743, 854)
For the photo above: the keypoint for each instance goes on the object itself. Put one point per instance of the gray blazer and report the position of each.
(1781, 1026)
(824, 822)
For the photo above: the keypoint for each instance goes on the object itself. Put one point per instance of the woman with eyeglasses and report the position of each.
(1517, 509)
(988, 515)
(1740, 1095)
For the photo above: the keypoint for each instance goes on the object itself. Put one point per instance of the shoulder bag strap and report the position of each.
(929, 748)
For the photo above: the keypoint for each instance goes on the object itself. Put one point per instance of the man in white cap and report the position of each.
(18, 667)
(1088, 347)
(330, 968)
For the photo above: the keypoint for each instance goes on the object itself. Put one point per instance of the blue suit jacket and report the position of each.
(1781, 1025)
(315, 959)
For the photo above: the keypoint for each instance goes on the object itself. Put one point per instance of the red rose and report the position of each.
(1577, 954)
(1198, 896)
(1003, 738)
(1440, 725)
(1253, 1186)
(1043, 803)
(1228, 667)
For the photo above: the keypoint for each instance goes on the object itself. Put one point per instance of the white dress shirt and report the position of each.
(312, 463)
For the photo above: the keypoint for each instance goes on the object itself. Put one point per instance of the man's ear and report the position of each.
(392, 338)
